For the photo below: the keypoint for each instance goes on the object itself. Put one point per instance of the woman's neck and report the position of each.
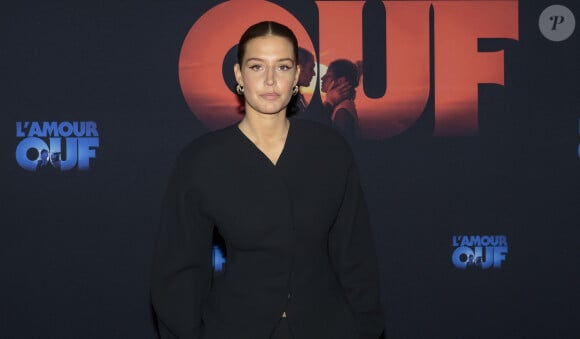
(265, 128)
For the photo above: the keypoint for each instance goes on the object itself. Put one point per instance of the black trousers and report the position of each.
(282, 331)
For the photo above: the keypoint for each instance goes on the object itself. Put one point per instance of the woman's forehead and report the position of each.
(269, 45)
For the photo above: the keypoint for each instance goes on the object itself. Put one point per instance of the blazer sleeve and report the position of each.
(354, 259)
(182, 270)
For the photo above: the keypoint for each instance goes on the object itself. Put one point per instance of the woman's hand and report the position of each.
(338, 92)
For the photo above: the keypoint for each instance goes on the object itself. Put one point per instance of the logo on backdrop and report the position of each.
(51, 145)
(479, 251)
(218, 259)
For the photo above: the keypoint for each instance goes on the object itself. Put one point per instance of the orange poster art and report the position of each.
(431, 52)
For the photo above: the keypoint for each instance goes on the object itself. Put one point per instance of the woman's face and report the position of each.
(307, 72)
(327, 81)
(268, 73)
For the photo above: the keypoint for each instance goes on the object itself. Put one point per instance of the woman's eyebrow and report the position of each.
(262, 60)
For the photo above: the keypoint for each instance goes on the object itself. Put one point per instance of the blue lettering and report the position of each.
(54, 129)
(485, 257)
(218, 259)
(454, 241)
(70, 160)
(65, 129)
(458, 253)
(76, 150)
(502, 240)
(85, 152)
(22, 149)
(482, 252)
(49, 129)
(36, 130)
(91, 129)
(499, 255)
(19, 132)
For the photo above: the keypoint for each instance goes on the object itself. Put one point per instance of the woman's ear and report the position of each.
(238, 74)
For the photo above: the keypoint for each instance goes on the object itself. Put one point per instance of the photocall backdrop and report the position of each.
(469, 154)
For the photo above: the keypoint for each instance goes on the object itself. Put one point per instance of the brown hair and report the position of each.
(349, 70)
(304, 56)
(266, 28)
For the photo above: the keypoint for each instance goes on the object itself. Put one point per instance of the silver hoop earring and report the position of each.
(295, 90)
(240, 89)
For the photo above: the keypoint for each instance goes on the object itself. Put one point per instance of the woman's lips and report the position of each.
(270, 96)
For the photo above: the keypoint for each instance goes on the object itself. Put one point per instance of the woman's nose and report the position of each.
(270, 77)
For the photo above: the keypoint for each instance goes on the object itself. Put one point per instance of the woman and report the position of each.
(333, 96)
(286, 198)
(344, 115)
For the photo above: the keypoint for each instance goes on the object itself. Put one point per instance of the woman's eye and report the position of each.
(255, 67)
(284, 67)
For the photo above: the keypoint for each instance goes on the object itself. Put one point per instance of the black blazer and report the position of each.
(297, 236)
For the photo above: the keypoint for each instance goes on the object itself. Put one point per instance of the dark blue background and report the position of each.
(75, 247)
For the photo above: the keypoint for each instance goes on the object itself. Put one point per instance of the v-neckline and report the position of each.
(262, 154)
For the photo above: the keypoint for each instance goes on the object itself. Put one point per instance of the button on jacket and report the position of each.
(297, 236)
